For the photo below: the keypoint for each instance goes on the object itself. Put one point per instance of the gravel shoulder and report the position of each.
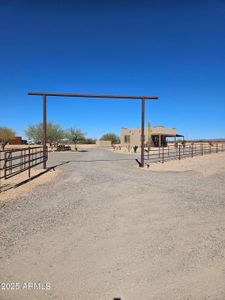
(104, 228)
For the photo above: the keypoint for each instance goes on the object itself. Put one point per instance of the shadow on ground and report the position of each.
(8, 186)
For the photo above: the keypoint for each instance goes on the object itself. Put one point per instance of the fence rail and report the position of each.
(180, 151)
(16, 161)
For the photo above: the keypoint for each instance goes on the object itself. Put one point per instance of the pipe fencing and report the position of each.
(162, 154)
(16, 161)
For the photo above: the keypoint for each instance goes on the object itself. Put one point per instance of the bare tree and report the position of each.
(75, 135)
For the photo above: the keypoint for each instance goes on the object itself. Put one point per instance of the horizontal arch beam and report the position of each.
(91, 96)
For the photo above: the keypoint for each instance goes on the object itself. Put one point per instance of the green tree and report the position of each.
(89, 141)
(75, 135)
(54, 132)
(110, 137)
(5, 135)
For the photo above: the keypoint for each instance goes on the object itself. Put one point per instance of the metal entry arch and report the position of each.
(47, 94)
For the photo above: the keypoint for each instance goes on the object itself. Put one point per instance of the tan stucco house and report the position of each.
(159, 134)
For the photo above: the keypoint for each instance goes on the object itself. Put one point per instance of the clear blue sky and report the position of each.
(173, 49)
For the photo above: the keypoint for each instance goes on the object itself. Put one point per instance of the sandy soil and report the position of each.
(205, 165)
(105, 228)
(10, 188)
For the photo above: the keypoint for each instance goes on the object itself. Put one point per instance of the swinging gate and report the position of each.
(16, 161)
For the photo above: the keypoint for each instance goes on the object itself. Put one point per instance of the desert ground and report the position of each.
(103, 228)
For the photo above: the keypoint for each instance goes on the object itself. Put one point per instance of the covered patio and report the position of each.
(159, 140)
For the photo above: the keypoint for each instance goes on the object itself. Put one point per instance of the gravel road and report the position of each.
(104, 228)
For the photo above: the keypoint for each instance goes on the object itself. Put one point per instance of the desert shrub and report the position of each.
(135, 149)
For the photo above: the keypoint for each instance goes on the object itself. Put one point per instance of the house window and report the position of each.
(127, 139)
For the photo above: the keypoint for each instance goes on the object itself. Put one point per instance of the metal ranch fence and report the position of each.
(16, 161)
(180, 151)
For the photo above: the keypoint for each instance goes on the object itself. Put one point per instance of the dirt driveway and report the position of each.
(104, 228)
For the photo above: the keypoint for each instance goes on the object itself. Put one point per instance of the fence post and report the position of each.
(216, 148)
(4, 166)
(149, 155)
(159, 153)
(192, 151)
(179, 152)
(29, 162)
(162, 154)
(222, 147)
(0, 171)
